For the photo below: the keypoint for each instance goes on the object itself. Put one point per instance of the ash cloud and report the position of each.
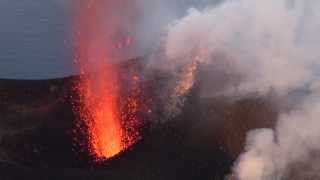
(258, 38)
(263, 46)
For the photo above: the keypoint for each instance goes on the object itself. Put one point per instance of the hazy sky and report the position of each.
(35, 35)
(34, 39)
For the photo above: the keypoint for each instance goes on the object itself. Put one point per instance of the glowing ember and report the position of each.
(186, 80)
(101, 114)
(109, 130)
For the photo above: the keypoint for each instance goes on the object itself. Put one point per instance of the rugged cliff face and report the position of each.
(37, 120)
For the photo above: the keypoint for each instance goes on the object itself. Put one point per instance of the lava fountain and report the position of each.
(99, 86)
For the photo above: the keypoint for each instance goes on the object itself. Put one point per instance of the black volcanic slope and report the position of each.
(36, 131)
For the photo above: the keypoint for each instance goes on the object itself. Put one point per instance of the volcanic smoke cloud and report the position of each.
(262, 47)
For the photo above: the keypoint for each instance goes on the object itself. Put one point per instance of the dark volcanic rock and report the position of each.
(37, 122)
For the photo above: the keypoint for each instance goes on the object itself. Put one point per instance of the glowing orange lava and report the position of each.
(100, 111)
(99, 86)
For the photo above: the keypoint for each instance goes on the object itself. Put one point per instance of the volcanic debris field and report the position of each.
(39, 139)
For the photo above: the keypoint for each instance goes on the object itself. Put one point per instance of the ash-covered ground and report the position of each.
(37, 121)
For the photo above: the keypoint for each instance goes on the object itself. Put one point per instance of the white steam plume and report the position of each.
(273, 45)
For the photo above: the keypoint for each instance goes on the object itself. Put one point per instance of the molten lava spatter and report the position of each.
(101, 113)
(107, 128)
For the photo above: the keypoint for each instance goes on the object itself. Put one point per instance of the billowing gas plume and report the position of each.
(261, 47)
